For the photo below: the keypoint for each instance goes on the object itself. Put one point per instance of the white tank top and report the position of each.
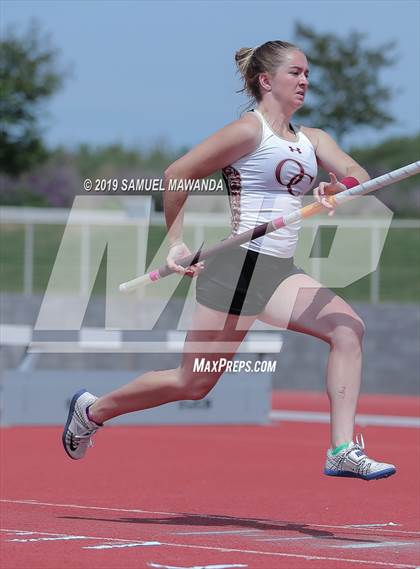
(268, 183)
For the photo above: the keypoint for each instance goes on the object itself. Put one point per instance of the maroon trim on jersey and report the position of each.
(232, 179)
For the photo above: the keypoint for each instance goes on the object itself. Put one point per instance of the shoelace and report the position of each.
(359, 445)
(360, 441)
(365, 463)
(84, 439)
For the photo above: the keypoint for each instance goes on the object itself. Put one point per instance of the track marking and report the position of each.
(205, 516)
(62, 538)
(197, 566)
(23, 532)
(220, 532)
(367, 562)
(120, 545)
(362, 526)
(125, 510)
(372, 545)
(362, 420)
(93, 537)
(284, 538)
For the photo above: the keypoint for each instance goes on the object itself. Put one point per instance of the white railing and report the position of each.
(30, 217)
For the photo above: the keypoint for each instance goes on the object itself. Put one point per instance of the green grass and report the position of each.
(11, 257)
(399, 265)
(399, 271)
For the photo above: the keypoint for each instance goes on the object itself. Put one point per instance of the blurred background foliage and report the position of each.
(346, 94)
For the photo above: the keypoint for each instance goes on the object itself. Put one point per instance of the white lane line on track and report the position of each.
(73, 537)
(285, 538)
(221, 532)
(197, 566)
(121, 545)
(362, 420)
(373, 545)
(33, 539)
(362, 526)
(367, 562)
(69, 536)
(205, 516)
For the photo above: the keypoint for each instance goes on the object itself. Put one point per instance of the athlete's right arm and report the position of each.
(219, 150)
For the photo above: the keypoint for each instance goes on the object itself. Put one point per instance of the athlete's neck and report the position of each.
(278, 120)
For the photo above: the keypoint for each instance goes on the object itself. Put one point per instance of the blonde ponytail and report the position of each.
(243, 57)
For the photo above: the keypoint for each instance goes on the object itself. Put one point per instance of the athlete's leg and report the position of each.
(210, 328)
(301, 304)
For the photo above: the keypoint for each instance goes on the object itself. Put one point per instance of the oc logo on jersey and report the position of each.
(288, 177)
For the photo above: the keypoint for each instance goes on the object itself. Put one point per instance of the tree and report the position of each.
(344, 81)
(28, 76)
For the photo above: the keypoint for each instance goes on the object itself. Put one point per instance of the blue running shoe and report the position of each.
(352, 462)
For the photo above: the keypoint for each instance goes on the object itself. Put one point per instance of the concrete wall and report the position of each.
(43, 398)
(391, 349)
(391, 353)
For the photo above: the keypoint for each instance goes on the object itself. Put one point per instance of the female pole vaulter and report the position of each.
(268, 165)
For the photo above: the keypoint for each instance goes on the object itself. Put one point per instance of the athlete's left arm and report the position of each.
(333, 159)
(336, 162)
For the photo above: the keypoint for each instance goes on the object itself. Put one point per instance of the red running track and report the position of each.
(207, 497)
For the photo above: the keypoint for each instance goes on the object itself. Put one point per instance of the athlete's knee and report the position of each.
(199, 391)
(348, 333)
(195, 385)
(197, 388)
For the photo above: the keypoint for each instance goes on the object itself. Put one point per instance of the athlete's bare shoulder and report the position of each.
(251, 118)
(248, 128)
(227, 145)
(234, 140)
(313, 134)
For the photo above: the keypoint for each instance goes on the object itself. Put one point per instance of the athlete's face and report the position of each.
(290, 82)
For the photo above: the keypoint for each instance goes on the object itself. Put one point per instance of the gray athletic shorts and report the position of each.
(225, 283)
